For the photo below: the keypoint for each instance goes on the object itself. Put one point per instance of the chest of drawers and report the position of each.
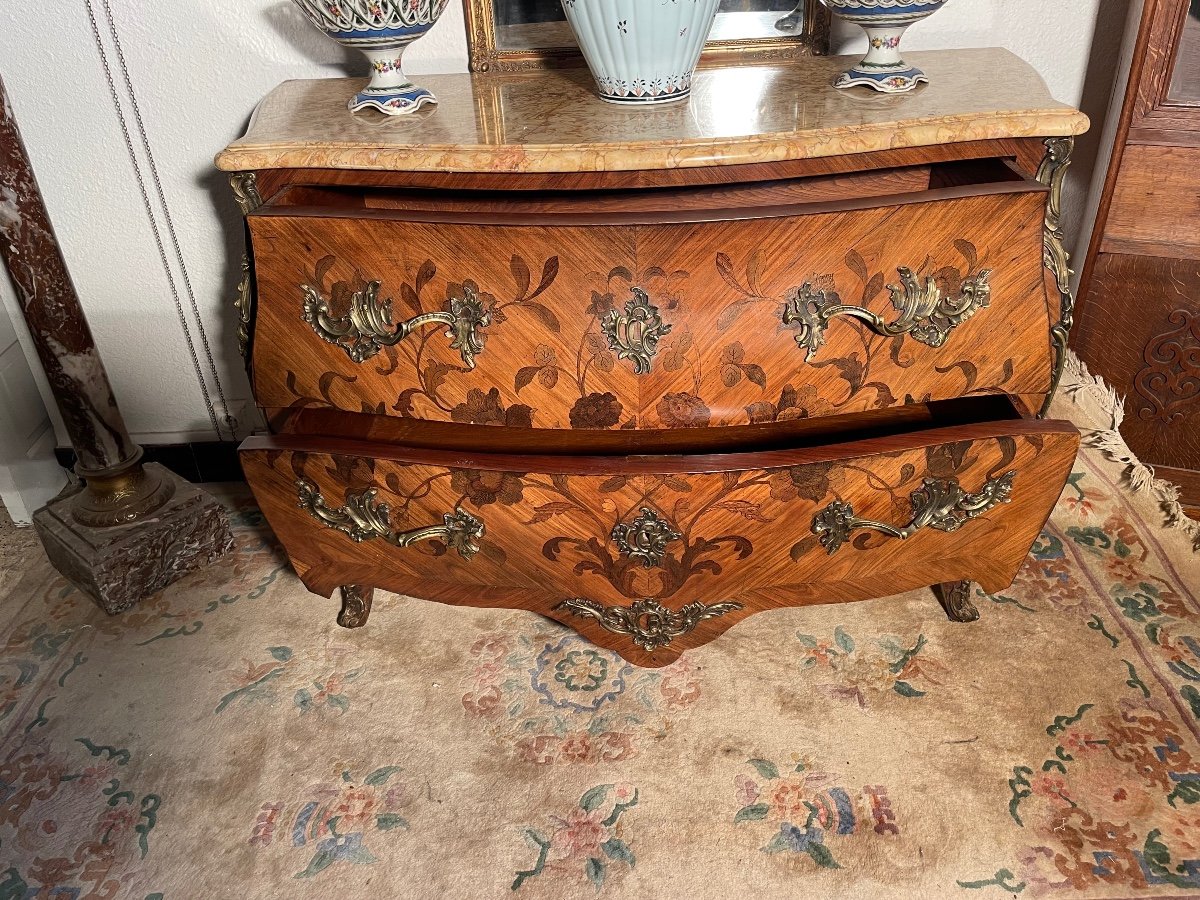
(648, 372)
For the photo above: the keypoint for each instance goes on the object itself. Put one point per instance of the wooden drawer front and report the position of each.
(814, 315)
(694, 323)
(541, 349)
(880, 516)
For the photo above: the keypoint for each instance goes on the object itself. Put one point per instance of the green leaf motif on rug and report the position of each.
(78, 661)
(46, 643)
(1192, 696)
(1187, 792)
(1139, 605)
(1097, 624)
(1020, 787)
(595, 872)
(1003, 879)
(1061, 722)
(120, 756)
(765, 767)
(388, 821)
(615, 848)
(587, 839)
(751, 813)
(1001, 599)
(1096, 538)
(1134, 682)
(843, 640)
(381, 775)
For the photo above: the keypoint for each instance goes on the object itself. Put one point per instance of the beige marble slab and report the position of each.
(553, 122)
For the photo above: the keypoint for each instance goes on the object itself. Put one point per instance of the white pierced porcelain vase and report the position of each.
(641, 51)
(885, 22)
(381, 29)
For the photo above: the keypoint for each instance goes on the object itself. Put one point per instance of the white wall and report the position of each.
(29, 474)
(197, 70)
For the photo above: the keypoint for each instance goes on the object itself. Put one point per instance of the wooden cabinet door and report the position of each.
(1139, 304)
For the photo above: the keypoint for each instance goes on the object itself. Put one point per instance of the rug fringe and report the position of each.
(1100, 402)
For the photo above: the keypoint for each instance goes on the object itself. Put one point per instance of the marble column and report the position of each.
(133, 528)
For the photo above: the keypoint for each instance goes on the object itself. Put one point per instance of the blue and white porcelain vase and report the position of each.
(641, 51)
(885, 22)
(381, 29)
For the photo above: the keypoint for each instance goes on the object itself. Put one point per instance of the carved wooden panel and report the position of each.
(654, 326)
(1147, 345)
(841, 522)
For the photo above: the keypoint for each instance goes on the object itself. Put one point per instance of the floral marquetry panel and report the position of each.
(931, 295)
(652, 555)
(829, 314)
(518, 342)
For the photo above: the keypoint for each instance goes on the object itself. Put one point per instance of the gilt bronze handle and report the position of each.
(645, 539)
(362, 519)
(925, 313)
(367, 328)
(635, 333)
(648, 622)
(940, 503)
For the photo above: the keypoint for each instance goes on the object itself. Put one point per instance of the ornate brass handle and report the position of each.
(648, 622)
(367, 328)
(924, 312)
(635, 333)
(362, 519)
(939, 503)
(645, 538)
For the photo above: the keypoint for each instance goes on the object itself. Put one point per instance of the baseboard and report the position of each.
(196, 462)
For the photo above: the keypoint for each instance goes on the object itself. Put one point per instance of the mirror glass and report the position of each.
(540, 24)
(1185, 79)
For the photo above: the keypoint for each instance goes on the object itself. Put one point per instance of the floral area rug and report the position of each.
(226, 739)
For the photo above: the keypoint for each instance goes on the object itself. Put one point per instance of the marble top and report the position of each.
(552, 121)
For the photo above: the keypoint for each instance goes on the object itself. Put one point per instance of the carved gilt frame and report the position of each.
(485, 56)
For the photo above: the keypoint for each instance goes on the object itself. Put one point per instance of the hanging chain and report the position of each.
(129, 145)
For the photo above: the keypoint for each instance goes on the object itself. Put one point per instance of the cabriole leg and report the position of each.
(955, 597)
(356, 605)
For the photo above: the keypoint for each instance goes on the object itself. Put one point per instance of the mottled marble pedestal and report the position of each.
(121, 564)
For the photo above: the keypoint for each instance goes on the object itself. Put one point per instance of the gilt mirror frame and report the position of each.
(485, 56)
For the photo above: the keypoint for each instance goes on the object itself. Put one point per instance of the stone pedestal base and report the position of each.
(122, 564)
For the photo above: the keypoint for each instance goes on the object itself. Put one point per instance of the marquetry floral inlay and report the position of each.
(635, 349)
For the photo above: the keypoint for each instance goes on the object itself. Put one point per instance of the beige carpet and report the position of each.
(228, 740)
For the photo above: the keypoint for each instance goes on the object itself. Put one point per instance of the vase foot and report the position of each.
(645, 99)
(887, 82)
(399, 102)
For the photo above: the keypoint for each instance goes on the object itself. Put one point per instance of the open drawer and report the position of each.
(681, 307)
(652, 555)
